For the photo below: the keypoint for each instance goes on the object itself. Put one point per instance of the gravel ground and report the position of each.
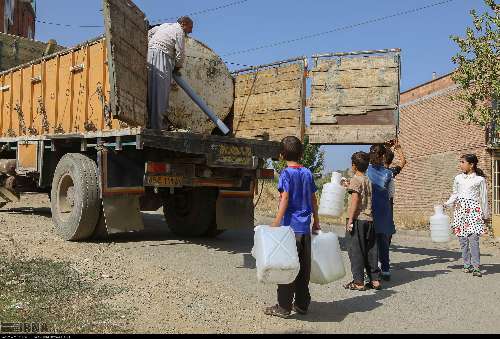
(209, 285)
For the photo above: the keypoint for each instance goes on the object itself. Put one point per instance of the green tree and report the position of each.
(478, 72)
(313, 158)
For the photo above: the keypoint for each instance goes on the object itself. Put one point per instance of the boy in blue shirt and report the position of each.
(297, 203)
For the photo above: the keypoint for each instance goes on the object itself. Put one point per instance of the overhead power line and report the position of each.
(208, 10)
(204, 11)
(310, 36)
(67, 25)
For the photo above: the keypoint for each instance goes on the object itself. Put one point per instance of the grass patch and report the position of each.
(53, 293)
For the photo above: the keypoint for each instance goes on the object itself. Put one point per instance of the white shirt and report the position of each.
(470, 186)
(168, 38)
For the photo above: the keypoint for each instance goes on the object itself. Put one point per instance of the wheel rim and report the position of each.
(65, 196)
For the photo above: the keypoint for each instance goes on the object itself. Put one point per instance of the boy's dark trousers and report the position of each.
(300, 287)
(362, 250)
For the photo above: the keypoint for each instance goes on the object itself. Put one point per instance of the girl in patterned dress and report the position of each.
(470, 198)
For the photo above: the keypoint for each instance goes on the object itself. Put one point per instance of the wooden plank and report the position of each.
(127, 11)
(126, 38)
(258, 88)
(260, 79)
(380, 77)
(289, 122)
(272, 72)
(375, 117)
(287, 99)
(270, 101)
(318, 112)
(320, 120)
(365, 62)
(272, 115)
(353, 97)
(275, 134)
(350, 134)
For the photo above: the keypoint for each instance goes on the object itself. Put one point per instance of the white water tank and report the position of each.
(327, 264)
(275, 253)
(332, 197)
(440, 225)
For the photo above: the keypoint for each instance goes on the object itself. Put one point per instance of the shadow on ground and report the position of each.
(40, 211)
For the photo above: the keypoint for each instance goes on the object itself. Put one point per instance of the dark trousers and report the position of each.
(300, 287)
(362, 250)
(383, 243)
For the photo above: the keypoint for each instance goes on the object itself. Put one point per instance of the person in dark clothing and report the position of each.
(396, 170)
(382, 188)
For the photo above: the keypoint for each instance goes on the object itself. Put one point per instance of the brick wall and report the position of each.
(433, 138)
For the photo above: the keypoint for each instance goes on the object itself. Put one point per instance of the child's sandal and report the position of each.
(353, 287)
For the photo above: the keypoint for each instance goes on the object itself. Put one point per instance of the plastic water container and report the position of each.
(275, 253)
(327, 264)
(332, 197)
(440, 225)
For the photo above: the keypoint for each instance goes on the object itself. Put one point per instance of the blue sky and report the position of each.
(423, 36)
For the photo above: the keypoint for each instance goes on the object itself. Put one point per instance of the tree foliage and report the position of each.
(478, 72)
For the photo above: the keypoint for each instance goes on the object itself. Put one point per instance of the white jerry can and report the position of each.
(332, 197)
(327, 264)
(440, 225)
(275, 253)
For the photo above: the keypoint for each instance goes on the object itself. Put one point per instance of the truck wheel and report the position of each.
(100, 231)
(191, 212)
(75, 199)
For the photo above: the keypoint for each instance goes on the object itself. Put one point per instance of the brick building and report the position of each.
(17, 17)
(433, 138)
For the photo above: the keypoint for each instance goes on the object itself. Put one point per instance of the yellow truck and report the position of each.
(74, 124)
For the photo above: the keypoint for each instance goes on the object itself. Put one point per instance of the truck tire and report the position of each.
(100, 231)
(75, 198)
(191, 212)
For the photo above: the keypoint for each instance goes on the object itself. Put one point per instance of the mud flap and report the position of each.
(122, 213)
(234, 212)
(121, 182)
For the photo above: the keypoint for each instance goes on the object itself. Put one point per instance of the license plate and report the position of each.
(163, 181)
(232, 155)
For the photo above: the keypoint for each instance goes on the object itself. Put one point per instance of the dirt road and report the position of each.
(170, 285)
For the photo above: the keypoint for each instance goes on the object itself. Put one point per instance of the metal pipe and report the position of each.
(201, 104)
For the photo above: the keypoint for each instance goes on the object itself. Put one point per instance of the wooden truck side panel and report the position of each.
(127, 38)
(271, 101)
(355, 97)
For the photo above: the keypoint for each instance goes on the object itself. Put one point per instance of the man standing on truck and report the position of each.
(165, 55)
